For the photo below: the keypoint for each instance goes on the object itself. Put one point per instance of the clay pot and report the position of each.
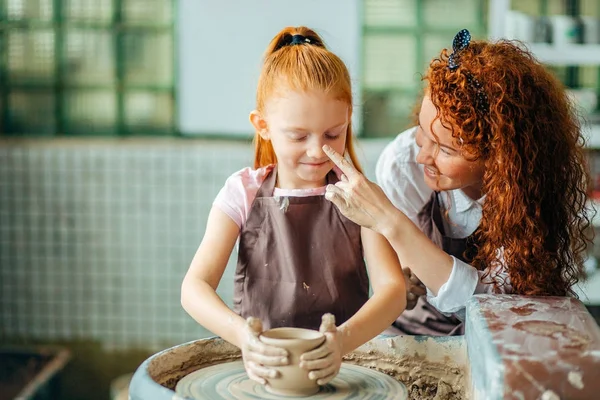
(293, 380)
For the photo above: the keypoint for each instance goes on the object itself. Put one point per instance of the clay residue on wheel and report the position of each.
(168, 368)
(424, 379)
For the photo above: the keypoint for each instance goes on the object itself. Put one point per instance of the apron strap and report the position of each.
(268, 185)
(266, 189)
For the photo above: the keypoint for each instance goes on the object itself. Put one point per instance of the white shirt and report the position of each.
(401, 178)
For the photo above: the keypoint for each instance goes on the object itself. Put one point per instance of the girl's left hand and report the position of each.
(325, 361)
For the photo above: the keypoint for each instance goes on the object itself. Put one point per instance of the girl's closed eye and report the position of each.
(296, 137)
(335, 133)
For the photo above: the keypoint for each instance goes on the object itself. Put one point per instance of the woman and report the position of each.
(487, 194)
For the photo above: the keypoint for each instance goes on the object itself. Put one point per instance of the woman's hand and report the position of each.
(325, 361)
(414, 288)
(257, 356)
(359, 199)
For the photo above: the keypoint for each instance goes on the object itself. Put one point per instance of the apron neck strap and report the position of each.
(268, 185)
(266, 189)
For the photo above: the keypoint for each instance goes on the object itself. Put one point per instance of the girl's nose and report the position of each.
(315, 150)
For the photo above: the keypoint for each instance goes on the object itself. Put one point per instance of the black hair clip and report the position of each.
(461, 41)
(299, 39)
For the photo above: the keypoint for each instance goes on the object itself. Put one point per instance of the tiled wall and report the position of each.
(96, 235)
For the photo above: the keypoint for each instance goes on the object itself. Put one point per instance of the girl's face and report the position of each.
(446, 166)
(298, 124)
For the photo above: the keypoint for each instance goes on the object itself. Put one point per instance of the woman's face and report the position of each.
(446, 165)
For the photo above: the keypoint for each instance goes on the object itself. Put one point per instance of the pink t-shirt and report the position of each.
(236, 197)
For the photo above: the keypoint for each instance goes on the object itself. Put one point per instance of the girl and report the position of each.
(487, 193)
(298, 258)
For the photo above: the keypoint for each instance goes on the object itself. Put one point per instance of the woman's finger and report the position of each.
(336, 196)
(414, 279)
(418, 291)
(345, 186)
(341, 162)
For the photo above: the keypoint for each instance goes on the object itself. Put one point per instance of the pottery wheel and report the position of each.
(229, 381)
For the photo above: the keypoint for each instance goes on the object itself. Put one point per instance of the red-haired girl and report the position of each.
(299, 257)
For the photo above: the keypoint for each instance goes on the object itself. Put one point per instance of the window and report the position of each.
(400, 38)
(87, 67)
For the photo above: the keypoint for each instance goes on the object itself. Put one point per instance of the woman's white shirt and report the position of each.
(401, 178)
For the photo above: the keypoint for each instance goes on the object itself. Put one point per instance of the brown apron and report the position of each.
(299, 258)
(425, 319)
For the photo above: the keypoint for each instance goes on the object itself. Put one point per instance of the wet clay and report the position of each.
(426, 380)
(229, 380)
(170, 367)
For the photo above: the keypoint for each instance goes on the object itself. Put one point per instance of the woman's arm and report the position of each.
(198, 290)
(416, 251)
(389, 293)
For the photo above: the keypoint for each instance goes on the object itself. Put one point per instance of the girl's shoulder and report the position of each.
(238, 193)
(248, 179)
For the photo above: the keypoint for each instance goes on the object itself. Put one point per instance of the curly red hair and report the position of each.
(529, 138)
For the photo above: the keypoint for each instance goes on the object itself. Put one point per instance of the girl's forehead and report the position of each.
(299, 102)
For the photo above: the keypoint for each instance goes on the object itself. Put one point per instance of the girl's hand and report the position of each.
(257, 356)
(415, 288)
(359, 199)
(325, 361)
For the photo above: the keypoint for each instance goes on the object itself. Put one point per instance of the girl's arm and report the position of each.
(389, 293)
(199, 298)
(198, 290)
(378, 313)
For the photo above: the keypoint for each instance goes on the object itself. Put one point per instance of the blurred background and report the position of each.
(120, 120)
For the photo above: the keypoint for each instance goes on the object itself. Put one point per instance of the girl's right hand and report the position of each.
(257, 356)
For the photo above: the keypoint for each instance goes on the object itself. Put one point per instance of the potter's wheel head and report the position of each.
(229, 381)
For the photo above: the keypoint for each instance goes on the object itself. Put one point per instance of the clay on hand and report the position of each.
(257, 356)
(358, 199)
(325, 361)
(414, 288)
